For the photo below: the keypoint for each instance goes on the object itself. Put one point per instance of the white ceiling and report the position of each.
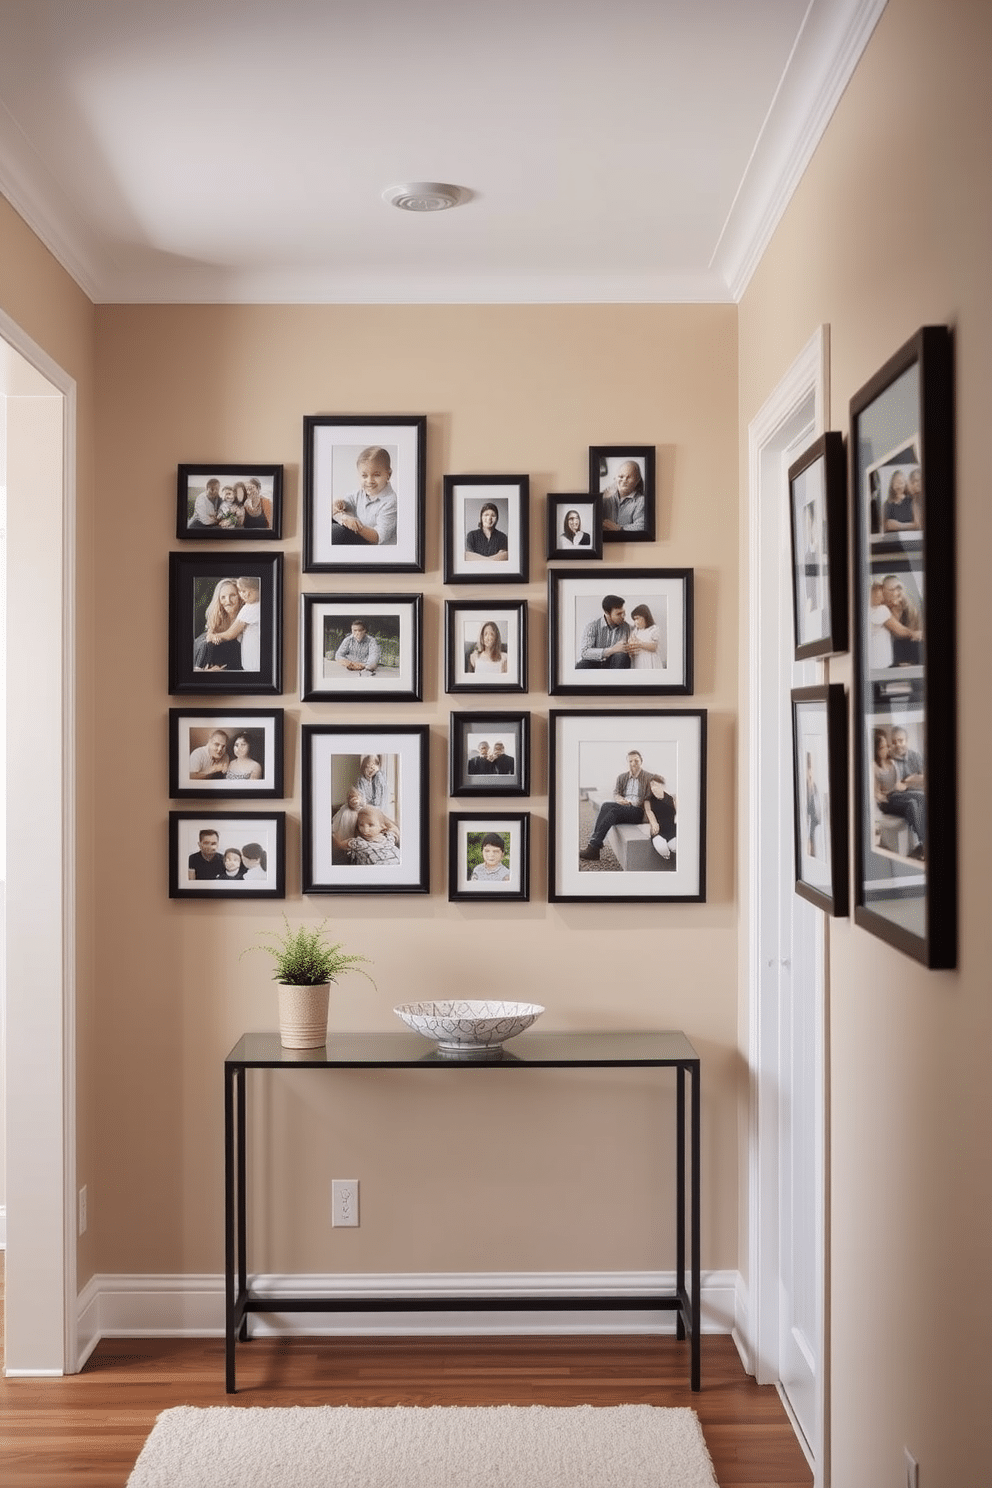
(237, 150)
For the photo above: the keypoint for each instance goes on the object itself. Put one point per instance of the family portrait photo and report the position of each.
(489, 857)
(620, 630)
(574, 527)
(227, 856)
(362, 647)
(363, 494)
(364, 809)
(486, 528)
(225, 632)
(623, 479)
(217, 753)
(818, 529)
(628, 805)
(215, 501)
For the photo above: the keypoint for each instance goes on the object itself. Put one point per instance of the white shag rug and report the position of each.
(502, 1446)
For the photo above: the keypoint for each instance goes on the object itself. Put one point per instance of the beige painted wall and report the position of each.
(889, 230)
(524, 389)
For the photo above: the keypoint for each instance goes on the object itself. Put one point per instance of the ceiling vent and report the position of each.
(425, 196)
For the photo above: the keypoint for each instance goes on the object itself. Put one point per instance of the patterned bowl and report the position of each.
(460, 1027)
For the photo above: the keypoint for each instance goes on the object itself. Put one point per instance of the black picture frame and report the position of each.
(210, 506)
(637, 522)
(474, 771)
(904, 699)
(818, 528)
(589, 755)
(470, 867)
(198, 581)
(391, 672)
(332, 756)
(467, 624)
(565, 539)
(820, 795)
(467, 498)
(578, 630)
(261, 876)
(198, 771)
(333, 445)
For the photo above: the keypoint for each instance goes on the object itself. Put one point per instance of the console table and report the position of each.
(408, 1050)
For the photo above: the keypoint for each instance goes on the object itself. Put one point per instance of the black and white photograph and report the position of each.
(628, 805)
(362, 648)
(486, 529)
(818, 528)
(363, 493)
(574, 527)
(904, 696)
(485, 645)
(243, 502)
(214, 855)
(237, 753)
(622, 477)
(489, 754)
(620, 630)
(365, 809)
(225, 622)
(489, 857)
(819, 737)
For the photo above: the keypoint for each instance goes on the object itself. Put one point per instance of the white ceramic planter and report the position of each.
(303, 1015)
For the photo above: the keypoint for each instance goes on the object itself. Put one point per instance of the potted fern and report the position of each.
(306, 963)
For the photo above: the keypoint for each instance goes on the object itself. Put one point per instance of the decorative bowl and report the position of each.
(460, 1027)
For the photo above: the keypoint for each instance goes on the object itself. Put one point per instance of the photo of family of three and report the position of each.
(226, 862)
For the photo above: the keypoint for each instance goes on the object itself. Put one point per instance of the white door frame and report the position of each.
(802, 397)
(40, 1074)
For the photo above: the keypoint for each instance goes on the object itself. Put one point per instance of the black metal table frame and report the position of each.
(540, 1051)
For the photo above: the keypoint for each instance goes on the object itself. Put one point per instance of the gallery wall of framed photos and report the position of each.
(614, 633)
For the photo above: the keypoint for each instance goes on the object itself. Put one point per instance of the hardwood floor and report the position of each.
(88, 1429)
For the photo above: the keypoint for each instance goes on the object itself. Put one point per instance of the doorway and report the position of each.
(38, 1083)
(785, 947)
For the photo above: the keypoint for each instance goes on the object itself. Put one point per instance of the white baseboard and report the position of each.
(149, 1306)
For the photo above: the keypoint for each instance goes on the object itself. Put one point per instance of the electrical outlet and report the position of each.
(912, 1470)
(82, 1210)
(344, 1201)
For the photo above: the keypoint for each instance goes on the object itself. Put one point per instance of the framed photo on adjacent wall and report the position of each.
(622, 478)
(904, 699)
(819, 772)
(234, 502)
(232, 753)
(489, 857)
(627, 806)
(225, 622)
(818, 525)
(486, 529)
(365, 809)
(224, 855)
(620, 630)
(362, 648)
(364, 480)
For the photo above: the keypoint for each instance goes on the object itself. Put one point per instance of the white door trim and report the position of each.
(803, 394)
(41, 1024)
